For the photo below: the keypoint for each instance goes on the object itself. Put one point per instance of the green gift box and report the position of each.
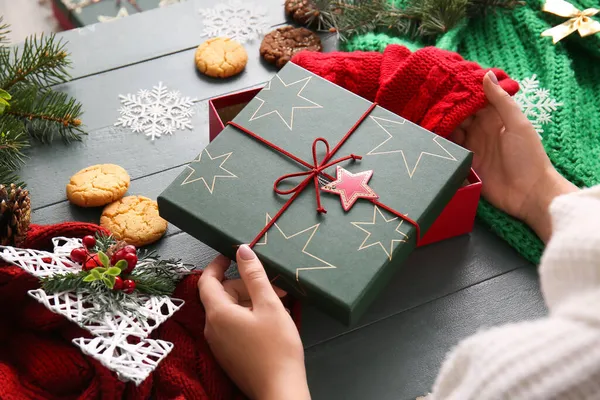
(261, 180)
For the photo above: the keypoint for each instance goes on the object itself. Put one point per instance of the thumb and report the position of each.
(255, 278)
(507, 108)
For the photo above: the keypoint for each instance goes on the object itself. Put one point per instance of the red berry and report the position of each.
(118, 283)
(89, 241)
(131, 262)
(79, 254)
(128, 286)
(118, 256)
(130, 249)
(92, 262)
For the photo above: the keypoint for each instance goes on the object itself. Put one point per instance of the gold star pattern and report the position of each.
(121, 14)
(190, 178)
(282, 105)
(393, 144)
(310, 233)
(390, 224)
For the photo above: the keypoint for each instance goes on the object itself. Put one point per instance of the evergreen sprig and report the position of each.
(152, 277)
(40, 60)
(30, 109)
(419, 19)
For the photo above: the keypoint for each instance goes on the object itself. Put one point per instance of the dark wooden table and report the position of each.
(444, 293)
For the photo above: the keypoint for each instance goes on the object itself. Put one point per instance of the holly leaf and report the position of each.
(96, 274)
(104, 259)
(3, 105)
(109, 281)
(89, 278)
(113, 271)
(122, 265)
(4, 95)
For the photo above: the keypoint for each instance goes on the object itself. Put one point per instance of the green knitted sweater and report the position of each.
(560, 93)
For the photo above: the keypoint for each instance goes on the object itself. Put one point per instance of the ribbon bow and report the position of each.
(313, 174)
(580, 21)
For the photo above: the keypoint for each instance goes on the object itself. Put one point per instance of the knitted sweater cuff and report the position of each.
(434, 88)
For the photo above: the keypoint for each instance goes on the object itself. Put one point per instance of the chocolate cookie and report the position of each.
(301, 11)
(279, 46)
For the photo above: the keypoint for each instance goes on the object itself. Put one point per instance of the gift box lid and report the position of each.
(340, 259)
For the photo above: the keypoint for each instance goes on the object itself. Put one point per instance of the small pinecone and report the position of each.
(15, 215)
(301, 11)
(115, 247)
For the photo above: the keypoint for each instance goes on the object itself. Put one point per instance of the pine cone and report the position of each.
(301, 11)
(15, 215)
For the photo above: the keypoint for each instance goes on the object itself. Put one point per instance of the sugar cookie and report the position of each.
(134, 219)
(221, 57)
(97, 185)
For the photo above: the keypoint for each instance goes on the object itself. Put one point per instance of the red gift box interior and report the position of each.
(456, 219)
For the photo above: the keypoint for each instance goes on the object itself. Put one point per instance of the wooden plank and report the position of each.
(184, 247)
(398, 358)
(430, 272)
(49, 169)
(101, 47)
(149, 186)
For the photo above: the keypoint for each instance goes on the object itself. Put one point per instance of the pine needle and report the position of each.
(420, 19)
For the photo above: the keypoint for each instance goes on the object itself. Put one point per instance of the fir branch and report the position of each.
(13, 140)
(158, 277)
(105, 300)
(104, 243)
(46, 113)
(72, 281)
(42, 61)
(437, 16)
(4, 31)
(422, 19)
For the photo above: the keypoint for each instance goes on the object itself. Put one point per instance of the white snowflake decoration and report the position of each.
(110, 345)
(166, 3)
(238, 20)
(156, 112)
(536, 103)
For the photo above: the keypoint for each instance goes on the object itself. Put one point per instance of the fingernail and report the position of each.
(246, 253)
(492, 77)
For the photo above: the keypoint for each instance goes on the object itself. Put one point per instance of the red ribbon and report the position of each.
(314, 170)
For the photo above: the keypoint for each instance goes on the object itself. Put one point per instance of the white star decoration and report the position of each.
(310, 231)
(121, 14)
(393, 144)
(110, 342)
(374, 222)
(278, 85)
(211, 187)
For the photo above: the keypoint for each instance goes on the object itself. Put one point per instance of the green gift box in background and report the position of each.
(339, 260)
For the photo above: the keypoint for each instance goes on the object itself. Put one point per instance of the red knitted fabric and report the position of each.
(433, 88)
(38, 360)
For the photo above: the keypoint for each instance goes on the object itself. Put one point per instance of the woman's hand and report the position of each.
(250, 332)
(517, 175)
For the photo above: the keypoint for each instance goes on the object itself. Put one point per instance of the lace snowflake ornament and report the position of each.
(238, 20)
(156, 112)
(536, 103)
(132, 360)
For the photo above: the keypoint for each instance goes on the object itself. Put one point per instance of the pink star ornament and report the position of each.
(351, 187)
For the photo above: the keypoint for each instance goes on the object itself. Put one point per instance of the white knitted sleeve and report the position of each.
(557, 357)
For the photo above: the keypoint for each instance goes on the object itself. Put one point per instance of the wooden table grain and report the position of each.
(443, 293)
